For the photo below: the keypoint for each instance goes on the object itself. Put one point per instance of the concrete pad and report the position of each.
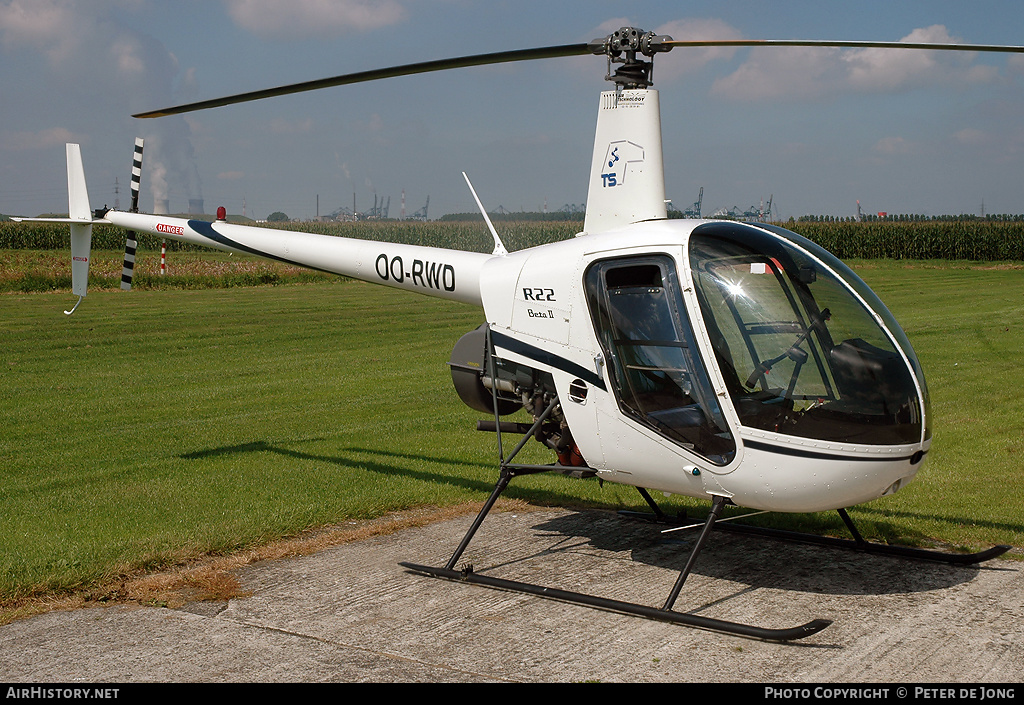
(352, 613)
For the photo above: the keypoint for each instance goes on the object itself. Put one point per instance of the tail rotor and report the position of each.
(128, 269)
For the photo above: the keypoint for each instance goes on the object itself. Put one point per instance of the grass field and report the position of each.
(156, 426)
(33, 271)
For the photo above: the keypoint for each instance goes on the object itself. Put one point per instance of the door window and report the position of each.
(657, 373)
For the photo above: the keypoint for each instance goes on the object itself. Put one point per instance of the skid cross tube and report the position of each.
(857, 543)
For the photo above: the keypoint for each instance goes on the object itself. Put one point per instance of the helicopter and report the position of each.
(734, 362)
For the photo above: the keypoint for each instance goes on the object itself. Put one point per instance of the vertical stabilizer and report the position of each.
(81, 244)
(78, 195)
(627, 177)
(81, 231)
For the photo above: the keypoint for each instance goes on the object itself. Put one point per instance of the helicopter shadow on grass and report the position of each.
(360, 458)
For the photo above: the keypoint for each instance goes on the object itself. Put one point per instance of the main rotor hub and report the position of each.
(622, 47)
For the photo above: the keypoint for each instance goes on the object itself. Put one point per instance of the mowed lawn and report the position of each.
(155, 426)
(150, 427)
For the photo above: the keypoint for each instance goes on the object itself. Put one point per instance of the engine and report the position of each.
(499, 387)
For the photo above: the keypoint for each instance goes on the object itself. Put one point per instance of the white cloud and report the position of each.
(610, 25)
(875, 69)
(970, 136)
(776, 72)
(47, 25)
(281, 126)
(85, 45)
(43, 139)
(296, 19)
(888, 146)
(686, 59)
(128, 57)
(82, 38)
(29, 23)
(810, 72)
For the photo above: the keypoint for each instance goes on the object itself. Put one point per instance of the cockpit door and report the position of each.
(658, 377)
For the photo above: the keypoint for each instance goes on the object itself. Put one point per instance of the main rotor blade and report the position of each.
(552, 52)
(841, 44)
(362, 76)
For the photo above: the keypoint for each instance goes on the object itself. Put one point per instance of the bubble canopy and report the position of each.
(805, 347)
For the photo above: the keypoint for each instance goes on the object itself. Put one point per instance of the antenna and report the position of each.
(499, 248)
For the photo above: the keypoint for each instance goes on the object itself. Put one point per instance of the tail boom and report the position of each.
(442, 273)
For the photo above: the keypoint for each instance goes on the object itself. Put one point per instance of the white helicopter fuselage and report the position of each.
(537, 299)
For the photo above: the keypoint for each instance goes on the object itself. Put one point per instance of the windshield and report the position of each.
(657, 373)
(800, 354)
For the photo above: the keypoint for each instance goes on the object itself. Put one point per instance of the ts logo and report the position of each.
(620, 157)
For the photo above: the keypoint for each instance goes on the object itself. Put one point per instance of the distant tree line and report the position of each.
(866, 218)
(911, 218)
(557, 216)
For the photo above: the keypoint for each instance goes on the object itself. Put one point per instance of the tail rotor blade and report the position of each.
(127, 271)
(137, 173)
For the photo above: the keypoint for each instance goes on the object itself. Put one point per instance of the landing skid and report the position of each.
(664, 615)
(857, 543)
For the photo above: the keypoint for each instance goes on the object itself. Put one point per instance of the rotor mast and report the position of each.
(622, 47)
(627, 174)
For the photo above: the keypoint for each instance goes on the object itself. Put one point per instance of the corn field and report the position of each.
(451, 235)
(918, 240)
(935, 239)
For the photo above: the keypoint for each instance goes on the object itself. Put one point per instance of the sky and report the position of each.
(814, 130)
